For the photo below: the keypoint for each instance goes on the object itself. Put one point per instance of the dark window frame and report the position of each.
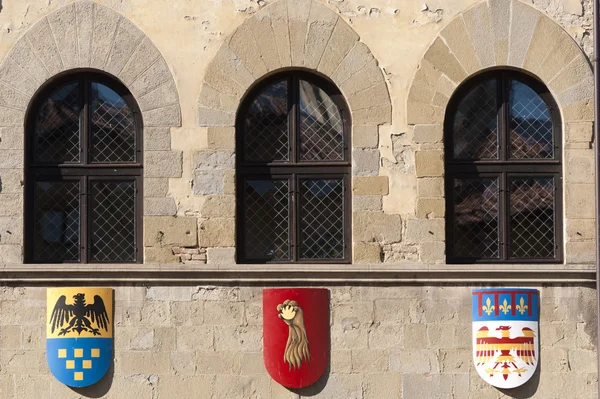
(85, 171)
(504, 168)
(294, 169)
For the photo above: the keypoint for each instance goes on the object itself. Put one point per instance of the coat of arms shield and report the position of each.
(79, 334)
(296, 334)
(506, 335)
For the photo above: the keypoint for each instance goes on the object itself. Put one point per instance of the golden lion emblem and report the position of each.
(296, 349)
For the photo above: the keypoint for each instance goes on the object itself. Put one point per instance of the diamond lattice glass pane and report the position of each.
(532, 218)
(531, 133)
(476, 218)
(475, 129)
(113, 127)
(321, 125)
(57, 127)
(113, 221)
(56, 231)
(266, 126)
(322, 219)
(266, 219)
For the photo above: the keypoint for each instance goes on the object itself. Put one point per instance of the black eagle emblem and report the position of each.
(79, 316)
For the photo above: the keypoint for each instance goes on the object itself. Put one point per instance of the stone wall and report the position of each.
(410, 341)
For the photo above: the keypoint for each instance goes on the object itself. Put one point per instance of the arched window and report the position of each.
(503, 171)
(293, 172)
(83, 172)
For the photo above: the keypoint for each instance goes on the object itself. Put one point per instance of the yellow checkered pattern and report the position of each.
(78, 353)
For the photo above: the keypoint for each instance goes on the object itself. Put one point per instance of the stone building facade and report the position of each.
(188, 315)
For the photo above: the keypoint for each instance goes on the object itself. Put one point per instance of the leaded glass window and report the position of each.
(503, 172)
(293, 172)
(84, 173)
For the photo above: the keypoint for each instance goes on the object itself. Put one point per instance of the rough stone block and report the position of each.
(12, 98)
(373, 116)
(229, 181)
(428, 133)
(370, 360)
(22, 54)
(366, 253)
(209, 160)
(376, 227)
(63, 25)
(227, 64)
(581, 229)
(382, 385)
(151, 78)
(370, 185)
(424, 230)
(433, 252)
(11, 204)
(223, 313)
(372, 96)
(163, 163)
(459, 41)
(12, 138)
(157, 139)
(522, 23)
(430, 187)
(365, 162)
(366, 203)
(420, 113)
(221, 256)
(343, 39)
(575, 94)
(166, 116)
(105, 27)
(279, 23)
(429, 208)
(161, 96)
(11, 253)
(127, 39)
(261, 27)
(442, 59)
(577, 71)
(579, 166)
(217, 232)
(298, 12)
(358, 57)
(321, 22)
(580, 202)
(42, 42)
(146, 54)
(11, 159)
(247, 51)
(421, 92)
(417, 363)
(11, 181)
(156, 187)
(11, 117)
(221, 138)
(365, 136)
(579, 132)
(478, 23)
(219, 206)
(581, 252)
(167, 231)
(214, 117)
(209, 182)
(13, 75)
(159, 207)
(581, 111)
(562, 53)
(429, 163)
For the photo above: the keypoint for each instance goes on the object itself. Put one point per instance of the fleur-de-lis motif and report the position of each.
(522, 307)
(505, 307)
(488, 308)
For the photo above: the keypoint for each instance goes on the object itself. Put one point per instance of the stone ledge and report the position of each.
(302, 273)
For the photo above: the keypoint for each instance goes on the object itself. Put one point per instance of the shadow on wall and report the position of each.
(530, 388)
(102, 387)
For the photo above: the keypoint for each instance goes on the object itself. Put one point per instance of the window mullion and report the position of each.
(505, 215)
(84, 244)
(295, 215)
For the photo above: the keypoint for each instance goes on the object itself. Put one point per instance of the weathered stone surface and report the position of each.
(358, 57)
(243, 45)
(14, 76)
(321, 22)
(209, 182)
(156, 186)
(459, 41)
(11, 117)
(215, 117)
(424, 230)
(11, 180)
(221, 256)
(63, 25)
(11, 232)
(166, 116)
(523, 21)
(581, 229)
(370, 96)
(429, 208)
(365, 162)
(432, 252)
(429, 163)
(279, 23)
(11, 159)
(373, 116)
(159, 206)
(42, 42)
(157, 139)
(219, 206)
(562, 53)
(365, 136)
(420, 113)
(581, 132)
(221, 138)
(163, 163)
(11, 253)
(145, 54)
(581, 111)
(500, 15)
(261, 27)
(151, 79)
(11, 204)
(441, 58)
(217, 232)
(168, 231)
(430, 187)
(581, 252)
(478, 23)
(376, 227)
(343, 39)
(298, 12)
(370, 185)
(579, 70)
(208, 160)
(428, 133)
(366, 203)
(23, 55)
(159, 255)
(366, 253)
(105, 26)
(162, 96)
(579, 166)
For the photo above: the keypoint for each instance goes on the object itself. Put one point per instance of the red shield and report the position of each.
(296, 334)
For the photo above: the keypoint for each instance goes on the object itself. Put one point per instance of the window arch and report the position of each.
(83, 176)
(293, 172)
(503, 171)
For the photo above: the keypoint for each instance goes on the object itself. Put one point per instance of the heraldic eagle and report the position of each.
(488, 346)
(79, 315)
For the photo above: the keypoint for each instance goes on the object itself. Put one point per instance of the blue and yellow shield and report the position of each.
(79, 334)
